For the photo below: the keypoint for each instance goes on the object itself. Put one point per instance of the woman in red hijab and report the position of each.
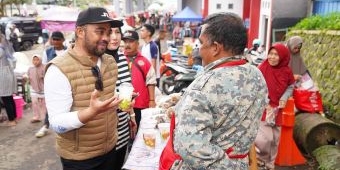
(280, 81)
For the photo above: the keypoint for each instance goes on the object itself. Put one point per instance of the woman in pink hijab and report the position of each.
(280, 82)
(36, 80)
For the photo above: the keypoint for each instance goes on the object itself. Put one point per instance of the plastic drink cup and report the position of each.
(125, 93)
(149, 137)
(164, 130)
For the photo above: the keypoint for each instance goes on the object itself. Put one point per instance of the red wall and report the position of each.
(254, 18)
(246, 9)
(205, 8)
(251, 11)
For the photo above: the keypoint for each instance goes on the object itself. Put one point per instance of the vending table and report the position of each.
(142, 157)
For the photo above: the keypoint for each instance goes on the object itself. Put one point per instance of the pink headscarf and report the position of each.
(36, 75)
(278, 77)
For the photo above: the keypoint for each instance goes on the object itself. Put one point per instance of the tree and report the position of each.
(4, 3)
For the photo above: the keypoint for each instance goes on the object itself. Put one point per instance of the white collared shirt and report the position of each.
(58, 96)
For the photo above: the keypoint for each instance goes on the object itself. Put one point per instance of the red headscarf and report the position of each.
(278, 77)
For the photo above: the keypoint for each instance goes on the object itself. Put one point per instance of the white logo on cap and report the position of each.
(128, 34)
(105, 14)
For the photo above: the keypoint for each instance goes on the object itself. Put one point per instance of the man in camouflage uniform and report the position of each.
(218, 117)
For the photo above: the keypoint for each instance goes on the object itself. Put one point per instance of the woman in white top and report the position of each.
(7, 78)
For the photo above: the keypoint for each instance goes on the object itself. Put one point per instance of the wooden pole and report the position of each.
(252, 158)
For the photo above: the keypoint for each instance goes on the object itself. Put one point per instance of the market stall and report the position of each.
(59, 18)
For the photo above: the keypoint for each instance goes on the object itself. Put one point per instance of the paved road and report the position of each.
(21, 150)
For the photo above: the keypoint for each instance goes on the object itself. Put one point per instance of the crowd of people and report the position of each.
(227, 108)
(163, 22)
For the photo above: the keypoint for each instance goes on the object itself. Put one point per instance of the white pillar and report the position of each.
(128, 6)
(269, 27)
(116, 4)
(140, 5)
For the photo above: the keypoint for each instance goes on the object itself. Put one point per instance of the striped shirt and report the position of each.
(123, 121)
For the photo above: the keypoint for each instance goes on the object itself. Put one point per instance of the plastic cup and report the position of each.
(148, 124)
(164, 130)
(149, 137)
(125, 93)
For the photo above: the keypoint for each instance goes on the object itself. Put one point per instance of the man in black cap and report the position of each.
(57, 48)
(143, 76)
(79, 86)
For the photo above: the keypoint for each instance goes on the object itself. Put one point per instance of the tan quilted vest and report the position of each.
(98, 136)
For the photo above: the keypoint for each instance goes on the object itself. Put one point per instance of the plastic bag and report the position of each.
(3, 117)
(308, 101)
(271, 113)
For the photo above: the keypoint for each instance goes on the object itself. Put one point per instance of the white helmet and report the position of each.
(257, 41)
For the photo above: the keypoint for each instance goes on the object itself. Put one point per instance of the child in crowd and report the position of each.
(36, 80)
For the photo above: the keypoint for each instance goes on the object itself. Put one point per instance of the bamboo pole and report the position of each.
(252, 158)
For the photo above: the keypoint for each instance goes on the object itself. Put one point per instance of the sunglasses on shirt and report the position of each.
(99, 82)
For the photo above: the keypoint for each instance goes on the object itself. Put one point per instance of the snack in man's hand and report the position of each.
(125, 93)
(124, 104)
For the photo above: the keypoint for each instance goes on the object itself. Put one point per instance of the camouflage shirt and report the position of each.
(221, 109)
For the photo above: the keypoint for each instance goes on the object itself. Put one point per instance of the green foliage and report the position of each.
(9, 2)
(328, 157)
(318, 22)
(14, 1)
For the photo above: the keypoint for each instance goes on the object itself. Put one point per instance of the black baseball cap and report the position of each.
(57, 35)
(132, 35)
(93, 15)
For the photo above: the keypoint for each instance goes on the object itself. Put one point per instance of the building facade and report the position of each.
(269, 20)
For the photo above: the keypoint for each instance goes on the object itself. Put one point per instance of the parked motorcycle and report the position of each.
(176, 77)
(255, 55)
(255, 58)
